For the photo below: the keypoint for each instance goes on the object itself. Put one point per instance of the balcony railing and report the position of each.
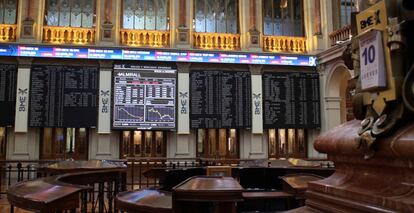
(68, 35)
(218, 41)
(342, 34)
(7, 33)
(284, 44)
(145, 38)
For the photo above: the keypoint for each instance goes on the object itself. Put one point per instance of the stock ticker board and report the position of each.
(144, 97)
(63, 96)
(8, 77)
(220, 99)
(291, 100)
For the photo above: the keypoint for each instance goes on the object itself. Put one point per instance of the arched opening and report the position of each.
(339, 90)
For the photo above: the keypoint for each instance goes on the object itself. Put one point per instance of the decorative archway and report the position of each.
(336, 93)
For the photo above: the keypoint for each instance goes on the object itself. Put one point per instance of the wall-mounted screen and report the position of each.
(291, 100)
(8, 77)
(144, 97)
(220, 99)
(63, 96)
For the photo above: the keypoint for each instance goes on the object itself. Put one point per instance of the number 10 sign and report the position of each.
(371, 54)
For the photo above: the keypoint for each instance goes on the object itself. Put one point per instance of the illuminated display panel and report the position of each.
(144, 97)
(156, 55)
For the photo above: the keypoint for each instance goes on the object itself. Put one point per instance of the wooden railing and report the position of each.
(284, 44)
(68, 35)
(145, 38)
(219, 41)
(342, 34)
(7, 33)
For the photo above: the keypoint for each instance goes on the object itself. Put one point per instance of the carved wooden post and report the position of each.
(28, 22)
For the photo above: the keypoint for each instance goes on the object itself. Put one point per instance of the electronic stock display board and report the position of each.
(63, 96)
(220, 99)
(8, 77)
(102, 53)
(144, 97)
(291, 100)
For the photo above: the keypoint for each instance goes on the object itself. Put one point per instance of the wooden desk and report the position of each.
(144, 201)
(207, 194)
(297, 184)
(62, 192)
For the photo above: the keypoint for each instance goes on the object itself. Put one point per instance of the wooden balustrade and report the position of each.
(342, 34)
(7, 33)
(145, 38)
(68, 35)
(220, 41)
(284, 44)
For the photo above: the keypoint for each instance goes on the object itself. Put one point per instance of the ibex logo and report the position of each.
(105, 101)
(183, 101)
(22, 99)
(257, 99)
(371, 20)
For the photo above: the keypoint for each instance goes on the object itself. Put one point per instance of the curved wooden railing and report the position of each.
(145, 38)
(68, 35)
(218, 41)
(342, 34)
(7, 33)
(284, 44)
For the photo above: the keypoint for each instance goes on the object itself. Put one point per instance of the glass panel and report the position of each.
(291, 141)
(232, 17)
(137, 143)
(272, 142)
(301, 141)
(297, 21)
(277, 14)
(200, 21)
(267, 17)
(282, 142)
(148, 143)
(88, 12)
(162, 11)
(159, 142)
(285, 6)
(139, 15)
(212, 139)
(232, 143)
(126, 138)
(220, 13)
(1, 11)
(64, 16)
(76, 17)
(2, 142)
(70, 140)
(222, 142)
(211, 17)
(201, 134)
(52, 17)
(60, 141)
(150, 15)
(128, 14)
(47, 142)
(81, 143)
(10, 12)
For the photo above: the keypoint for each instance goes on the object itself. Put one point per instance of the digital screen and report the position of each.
(63, 96)
(8, 82)
(156, 55)
(291, 100)
(220, 99)
(144, 97)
